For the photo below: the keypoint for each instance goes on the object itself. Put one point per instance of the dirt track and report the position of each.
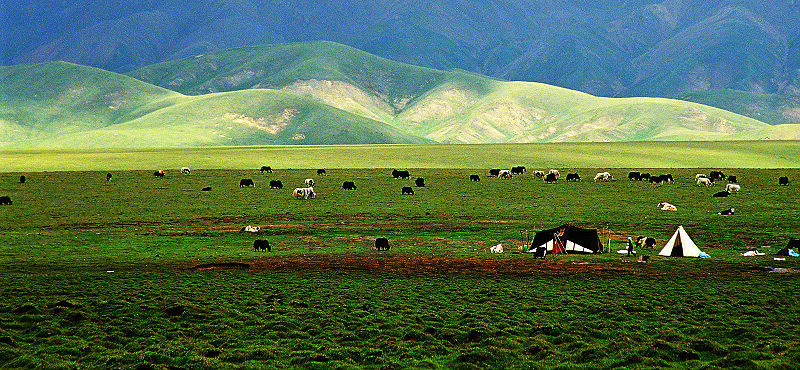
(442, 265)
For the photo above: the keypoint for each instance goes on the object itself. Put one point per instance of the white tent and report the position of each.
(680, 245)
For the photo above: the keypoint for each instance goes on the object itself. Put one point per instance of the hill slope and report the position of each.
(65, 105)
(602, 47)
(444, 106)
(768, 108)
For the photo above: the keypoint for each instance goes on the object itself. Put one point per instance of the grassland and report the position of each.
(100, 273)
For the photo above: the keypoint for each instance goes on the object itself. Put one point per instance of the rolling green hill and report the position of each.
(66, 105)
(327, 93)
(768, 108)
(446, 106)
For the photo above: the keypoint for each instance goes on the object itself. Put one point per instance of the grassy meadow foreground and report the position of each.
(101, 273)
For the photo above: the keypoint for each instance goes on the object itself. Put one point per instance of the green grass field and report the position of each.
(100, 273)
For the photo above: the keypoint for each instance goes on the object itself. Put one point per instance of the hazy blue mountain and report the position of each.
(603, 47)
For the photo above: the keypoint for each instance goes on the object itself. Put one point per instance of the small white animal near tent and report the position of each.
(680, 245)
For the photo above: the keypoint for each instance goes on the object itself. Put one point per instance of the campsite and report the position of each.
(151, 272)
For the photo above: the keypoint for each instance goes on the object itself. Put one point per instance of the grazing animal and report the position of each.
(722, 194)
(275, 184)
(664, 206)
(246, 182)
(538, 174)
(550, 178)
(108, 177)
(555, 172)
(349, 185)
(185, 170)
(645, 242)
(726, 212)
(419, 182)
(602, 176)
(717, 175)
(22, 179)
(634, 176)
(704, 181)
(504, 174)
(732, 187)
(304, 193)
(494, 172)
(783, 180)
(407, 190)
(660, 179)
(474, 178)
(266, 169)
(573, 177)
(261, 245)
(206, 189)
(644, 176)
(382, 244)
(400, 174)
(700, 176)
(160, 173)
(732, 179)
(321, 172)
(496, 248)
(250, 229)
(309, 183)
(518, 170)
(6, 200)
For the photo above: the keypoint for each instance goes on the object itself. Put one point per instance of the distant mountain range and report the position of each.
(601, 47)
(328, 93)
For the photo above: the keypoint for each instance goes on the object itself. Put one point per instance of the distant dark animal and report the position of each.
(419, 182)
(644, 176)
(246, 182)
(726, 212)
(573, 177)
(349, 185)
(494, 172)
(275, 184)
(160, 173)
(717, 175)
(22, 179)
(108, 177)
(538, 174)
(661, 179)
(634, 176)
(668, 178)
(783, 180)
(309, 182)
(474, 178)
(262, 245)
(266, 169)
(407, 190)
(722, 194)
(321, 172)
(208, 188)
(550, 178)
(645, 242)
(539, 252)
(382, 244)
(304, 193)
(518, 170)
(186, 170)
(400, 174)
(555, 172)
(5, 200)
(732, 179)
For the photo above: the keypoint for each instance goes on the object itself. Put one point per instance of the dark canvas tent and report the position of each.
(793, 243)
(567, 239)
